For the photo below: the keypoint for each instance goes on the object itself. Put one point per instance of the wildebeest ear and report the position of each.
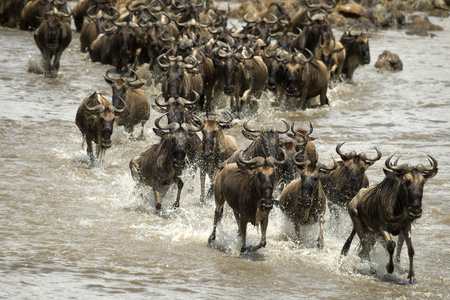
(248, 135)
(137, 85)
(390, 174)
(430, 174)
(159, 132)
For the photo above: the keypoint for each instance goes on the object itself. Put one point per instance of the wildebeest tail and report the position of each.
(348, 243)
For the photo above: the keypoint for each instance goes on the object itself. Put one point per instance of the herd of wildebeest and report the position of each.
(196, 56)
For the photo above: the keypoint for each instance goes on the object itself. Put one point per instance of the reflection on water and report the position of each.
(74, 230)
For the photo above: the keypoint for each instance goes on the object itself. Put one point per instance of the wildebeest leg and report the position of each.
(243, 230)
(180, 185)
(323, 98)
(320, 242)
(348, 242)
(401, 240)
(56, 60)
(217, 213)
(157, 199)
(407, 237)
(302, 100)
(263, 242)
(360, 230)
(202, 186)
(390, 246)
(90, 151)
(141, 135)
(47, 62)
(297, 231)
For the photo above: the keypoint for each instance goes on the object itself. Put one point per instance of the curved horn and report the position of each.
(433, 166)
(256, 161)
(345, 156)
(186, 102)
(310, 58)
(272, 161)
(287, 127)
(96, 109)
(373, 159)
(192, 128)
(300, 163)
(163, 104)
(275, 19)
(171, 127)
(135, 8)
(324, 168)
(107, 74)
(248, 129)
(121, 111)
(161, 64)
(398, 169)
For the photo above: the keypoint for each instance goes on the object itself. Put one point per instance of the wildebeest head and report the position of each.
(263, 174)
(327, 47)
(98, 105)
(175, 69)
(126, 36)
(276, 59)
(266, 143)
(178, 135)
(120, 87)
(210, 132)
(232, 61)
(309, 174)
(411, 180)
(357, 44)
(54, 23)
(294, 76)
(176, 109)
(354, 165)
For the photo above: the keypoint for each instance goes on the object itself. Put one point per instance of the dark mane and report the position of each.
(383, 200)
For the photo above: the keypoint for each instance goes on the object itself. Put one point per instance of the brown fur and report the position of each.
(303, 201)
(52, 37)
(96, 126)
(215, 148)
(389, 208)
(248, 191)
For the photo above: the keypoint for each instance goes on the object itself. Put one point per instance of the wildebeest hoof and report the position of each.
(412, 280)
(158, 206)
(211, 239)
(390, 268)
(320, 246)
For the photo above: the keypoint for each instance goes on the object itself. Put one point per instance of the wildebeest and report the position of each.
(32, 14)
(245, 74)
(389, 61)
(215, 148)
(303, 201)
(304, 78)
(389, 208)
(128, 91)
(247, 186)
(342, 184)
(124, 44)
(94, 24)
(357, 52)
(52, 37)
(10, 11)
(95, 119)
(181, 79)
(265, 143)
(162, 164)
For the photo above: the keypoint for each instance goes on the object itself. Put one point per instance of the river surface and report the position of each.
(70, 229)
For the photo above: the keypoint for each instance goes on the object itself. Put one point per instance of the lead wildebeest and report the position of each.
(52, 37)
(247, 186)
(389, 208)
(162, 164)
(357, 52)
(95, 119)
